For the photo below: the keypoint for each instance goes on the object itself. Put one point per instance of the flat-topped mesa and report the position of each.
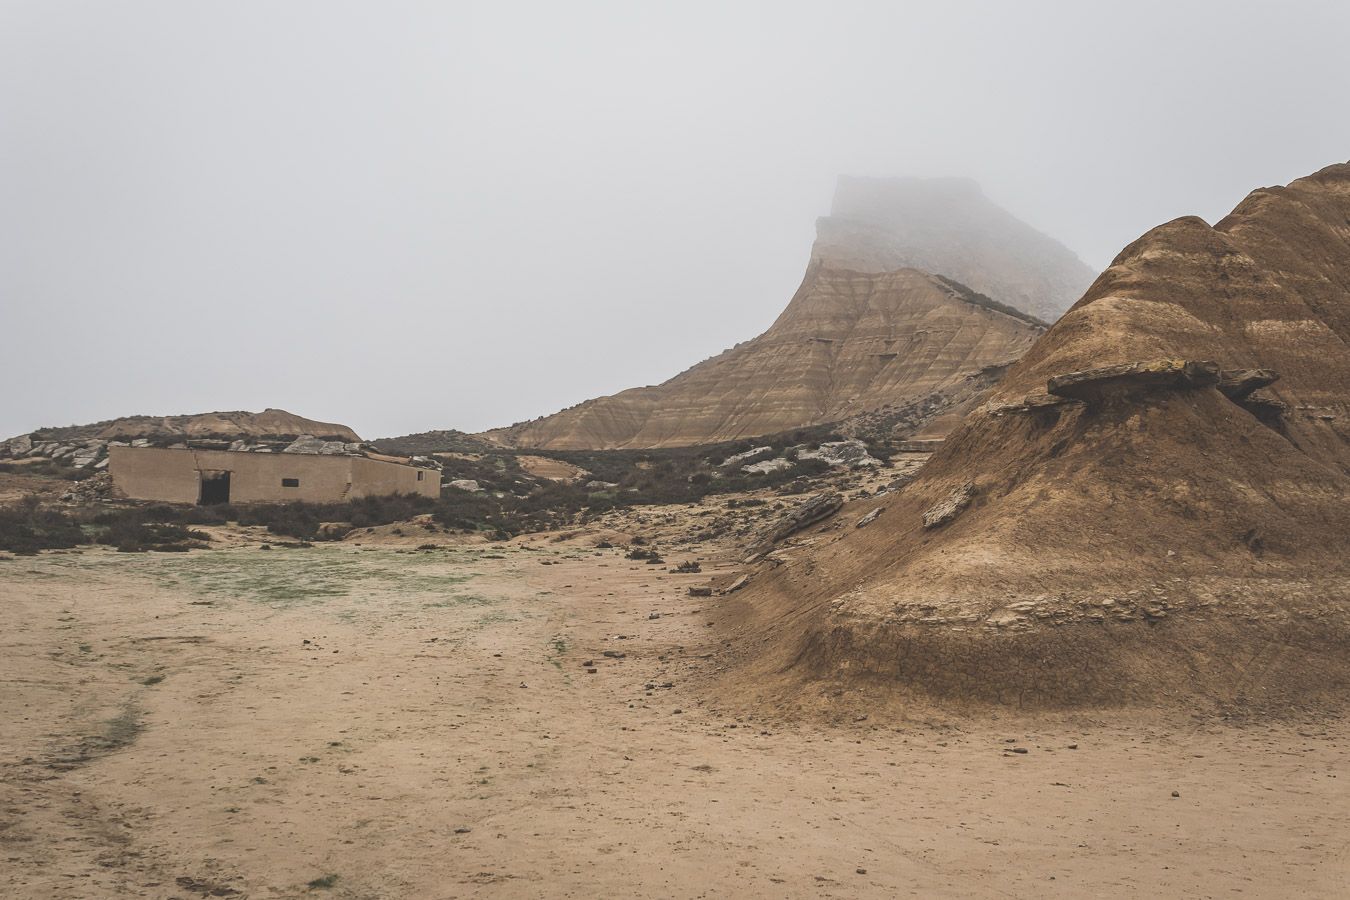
(1126, 379)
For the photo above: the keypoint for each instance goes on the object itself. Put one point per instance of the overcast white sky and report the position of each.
(414, 215)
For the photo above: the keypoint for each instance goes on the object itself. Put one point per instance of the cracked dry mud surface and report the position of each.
(360, 723)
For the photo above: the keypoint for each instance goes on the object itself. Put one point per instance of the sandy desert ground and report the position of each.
(356, 722)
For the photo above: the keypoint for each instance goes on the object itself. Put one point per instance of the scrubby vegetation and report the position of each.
(511, 501)
(28, 528)
(50, 468)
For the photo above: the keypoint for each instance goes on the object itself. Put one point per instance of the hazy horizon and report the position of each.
(412, 216)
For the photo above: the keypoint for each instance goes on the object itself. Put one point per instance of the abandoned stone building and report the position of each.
(187, 475)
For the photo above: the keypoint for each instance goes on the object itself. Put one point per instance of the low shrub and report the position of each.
(27, 528)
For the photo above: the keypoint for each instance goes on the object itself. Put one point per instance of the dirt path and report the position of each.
(369, 724)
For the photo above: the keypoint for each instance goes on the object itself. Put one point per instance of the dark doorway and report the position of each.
(215, 488)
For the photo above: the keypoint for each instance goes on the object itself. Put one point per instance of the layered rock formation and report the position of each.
(849, 342)
(895, 312)
(1154, 502)
(948, 226)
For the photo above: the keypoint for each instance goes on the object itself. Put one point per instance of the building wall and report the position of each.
(174, 475)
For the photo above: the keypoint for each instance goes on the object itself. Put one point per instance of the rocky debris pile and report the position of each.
(94, 451)
(919, 445)
(850, 453)
(928, 417)
(95, 487)
(79, 455)
(818, 508)
(310, 444)
(767, 466)
(950, 507)
(465, 484)
(749, 456)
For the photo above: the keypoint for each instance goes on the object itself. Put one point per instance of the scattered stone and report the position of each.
(19, 446)
(736, 585)
(839, 454)
(948, 509)
(465, 484)
(748, 456)
(1176, 793)
(869, 518)
(822, 506)
(700, 592)
(309, 444)
(919, 445)
(767, 466)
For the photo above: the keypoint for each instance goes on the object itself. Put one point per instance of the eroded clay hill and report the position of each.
(1152, 506)
(849, 342)
(948, 225)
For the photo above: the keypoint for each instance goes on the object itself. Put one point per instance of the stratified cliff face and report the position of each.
(915, 285)
(269, 422)
(849, 342)
(947, 226)
(1154, 503)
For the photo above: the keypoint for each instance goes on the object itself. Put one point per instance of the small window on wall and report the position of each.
(290, 482)
(419, 475)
